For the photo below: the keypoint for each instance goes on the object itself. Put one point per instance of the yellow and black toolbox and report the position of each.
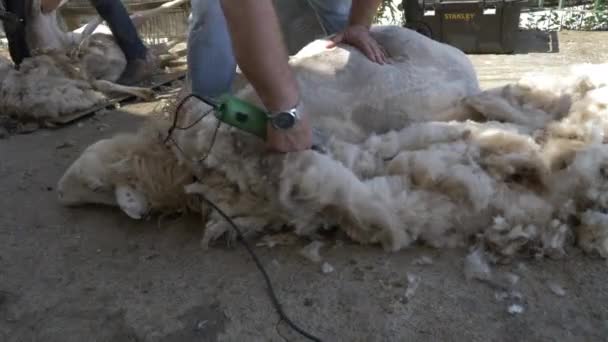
(473, 26)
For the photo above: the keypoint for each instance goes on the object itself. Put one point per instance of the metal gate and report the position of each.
(171, 24)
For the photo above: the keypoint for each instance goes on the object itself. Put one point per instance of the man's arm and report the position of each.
(357, 34)
(261, 54)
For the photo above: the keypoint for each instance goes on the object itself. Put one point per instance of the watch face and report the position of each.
(284, 120)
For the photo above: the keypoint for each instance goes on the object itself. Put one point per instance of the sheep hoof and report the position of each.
(133, 203)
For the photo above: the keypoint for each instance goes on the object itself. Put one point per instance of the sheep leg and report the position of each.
(89, 28)
(82, 38)
(110, 87)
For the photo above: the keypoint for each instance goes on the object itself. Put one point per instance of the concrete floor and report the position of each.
(93, 274)
(537, 51)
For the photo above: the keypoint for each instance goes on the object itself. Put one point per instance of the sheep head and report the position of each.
(93, 179)
(87, 180)
(136, 172)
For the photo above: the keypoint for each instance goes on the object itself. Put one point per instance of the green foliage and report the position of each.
(587, 18)
(389, 13)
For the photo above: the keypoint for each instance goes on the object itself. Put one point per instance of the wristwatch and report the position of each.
(284, 119)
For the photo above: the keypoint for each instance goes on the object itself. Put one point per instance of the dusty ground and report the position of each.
(93, 274)
(542, 52)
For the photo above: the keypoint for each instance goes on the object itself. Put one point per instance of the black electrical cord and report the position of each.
(255, 258)
(240, 236)
(179, 106)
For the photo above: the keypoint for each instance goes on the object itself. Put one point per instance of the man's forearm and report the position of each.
(260, 51)
(363, 12)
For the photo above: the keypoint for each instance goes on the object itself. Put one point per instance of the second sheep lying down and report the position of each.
(50, 86)
(527, 176)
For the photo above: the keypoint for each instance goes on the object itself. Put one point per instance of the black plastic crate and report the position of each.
(471, 26)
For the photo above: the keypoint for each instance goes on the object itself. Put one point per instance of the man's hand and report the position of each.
(297, 138)
(359, 37)
(357, 33)
(48, 6)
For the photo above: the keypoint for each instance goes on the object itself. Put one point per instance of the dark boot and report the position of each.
(140, 63)
(138, 70)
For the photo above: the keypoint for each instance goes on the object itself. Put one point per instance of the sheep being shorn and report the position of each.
(68, 71)
(517, 178)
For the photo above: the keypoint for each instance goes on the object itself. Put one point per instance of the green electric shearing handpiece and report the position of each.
(241, 114)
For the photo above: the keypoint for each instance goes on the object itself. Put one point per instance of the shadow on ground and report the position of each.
(534, 41)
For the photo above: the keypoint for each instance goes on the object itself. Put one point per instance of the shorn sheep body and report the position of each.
(403, 159)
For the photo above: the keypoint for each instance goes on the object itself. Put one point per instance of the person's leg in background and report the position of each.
(211, 61)
(17, 44)
(332, 13)
(139, 65)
